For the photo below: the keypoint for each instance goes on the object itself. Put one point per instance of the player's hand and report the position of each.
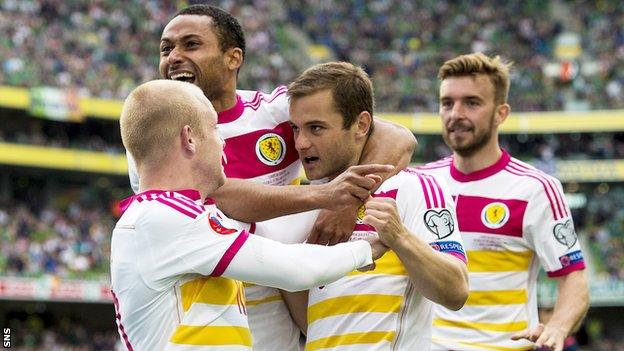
(543, 336)
(382, 213)
(353, 186)
(332, 227)
(378, 249)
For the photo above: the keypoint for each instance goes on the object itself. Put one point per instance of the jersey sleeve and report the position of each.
(184, 242)
(291, 229)
(428, 210)
(550, 230)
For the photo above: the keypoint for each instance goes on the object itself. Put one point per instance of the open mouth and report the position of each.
(310, 159)
(183, 77)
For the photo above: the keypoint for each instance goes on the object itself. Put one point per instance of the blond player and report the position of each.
(205, 45)
(388, 308)
(513, 219)
(175, 258)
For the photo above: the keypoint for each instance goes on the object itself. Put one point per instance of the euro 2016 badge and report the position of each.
(495, 215)
(271, 149)
(216, 223)
(440, 223)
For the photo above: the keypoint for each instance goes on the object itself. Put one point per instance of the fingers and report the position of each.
(528, 334)
(521, 335)
(372, 168)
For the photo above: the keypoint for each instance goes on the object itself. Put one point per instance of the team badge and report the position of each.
(440, 223)
(361, 211)
(215, 222)
(271, 149)
(495, 215)
(565, 234)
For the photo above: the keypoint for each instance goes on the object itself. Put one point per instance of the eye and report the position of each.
(473, 103)
(165, 49)
(316, 128)
(191, 44)
(446, 103)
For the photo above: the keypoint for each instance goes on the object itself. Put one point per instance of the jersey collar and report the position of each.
(190, 193)
(232, 113)
(482, 173)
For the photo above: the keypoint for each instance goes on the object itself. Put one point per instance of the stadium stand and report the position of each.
(61, 173)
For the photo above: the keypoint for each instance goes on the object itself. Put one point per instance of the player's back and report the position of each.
(165, 297)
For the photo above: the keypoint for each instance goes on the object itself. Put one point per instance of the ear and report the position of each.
(363, 124)
(502, 112)
(187, 140)
(233, 58)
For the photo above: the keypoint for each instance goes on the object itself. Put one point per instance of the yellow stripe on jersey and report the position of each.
(389, 263)
(354, 304)
(499, 261)
(485, 346)
(209, 290)
(497, 297)
(208, 335)
(350, 339)
(497, 327)
(264, 300)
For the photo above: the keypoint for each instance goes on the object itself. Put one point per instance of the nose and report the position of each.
(301, 141)
(457, 112)
(174, 57)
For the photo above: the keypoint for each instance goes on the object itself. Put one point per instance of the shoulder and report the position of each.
(167, 208)
(256, 99)
(441, 165)
(421, 184)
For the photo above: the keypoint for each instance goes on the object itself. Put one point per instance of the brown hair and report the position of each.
(153, 116)
(478, 63)
(351, 88)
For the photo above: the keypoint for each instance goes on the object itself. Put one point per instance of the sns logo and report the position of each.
(271, 149)
(215, 223)
(440, 223)
(495, 215)
(565, 234)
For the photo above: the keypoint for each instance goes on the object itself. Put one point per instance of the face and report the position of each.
(190, 52)
(325, 148)
(469, 114)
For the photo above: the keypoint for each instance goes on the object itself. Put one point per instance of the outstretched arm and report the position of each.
(248, 201)
(570, 308)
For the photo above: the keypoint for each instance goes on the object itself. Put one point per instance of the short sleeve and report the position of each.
(428, 210)
(550, 230)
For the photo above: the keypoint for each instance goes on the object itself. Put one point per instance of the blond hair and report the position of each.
(351, 88)
(153, 116)
(478, 63)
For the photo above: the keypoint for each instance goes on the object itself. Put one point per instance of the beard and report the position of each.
(468, 148)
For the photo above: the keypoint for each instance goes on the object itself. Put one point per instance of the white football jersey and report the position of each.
(381, 309)
(513, 218)
(168, 252)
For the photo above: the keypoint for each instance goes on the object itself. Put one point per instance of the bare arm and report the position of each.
(570, 308)
(297, 303)
(439, 277)
(248, 201)
(389, 143)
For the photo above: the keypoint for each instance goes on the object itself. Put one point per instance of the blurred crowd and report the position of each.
(72, 242)
(102, 49)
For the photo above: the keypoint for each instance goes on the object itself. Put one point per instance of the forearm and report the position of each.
(389, 143)
(439, 277)
(572, 302)
(248, 201)
(297, 303)
(296, 267)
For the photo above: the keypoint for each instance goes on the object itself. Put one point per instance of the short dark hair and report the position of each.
(229, 31)
(351, 88)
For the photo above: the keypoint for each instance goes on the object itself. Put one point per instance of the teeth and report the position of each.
(182, 75)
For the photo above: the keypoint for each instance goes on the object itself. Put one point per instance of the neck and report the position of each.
(173, 177)
(227, 99)
(479, 160)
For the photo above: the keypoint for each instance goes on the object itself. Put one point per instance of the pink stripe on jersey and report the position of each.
(445, 162)
(390, 193)
(483, 173)
(120, 326)
(561, 209)
(458, 255)
(229, 254)
(471, 217)
(554, 206)
(254, 105)
(439, 189)
(578, 266)
(177, 206)
(433, 192)
(197, 208)
(424, 190)
(243, 161)
(364, 227)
